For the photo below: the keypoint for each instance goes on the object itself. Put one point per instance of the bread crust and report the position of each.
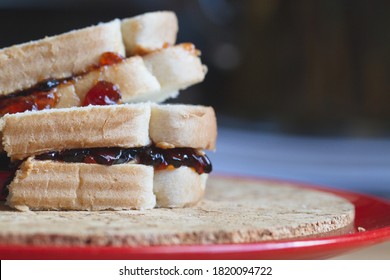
(184, 126)
(180, 187)
(149, 32)
(48, 185)
(62, 56)
(31, 133)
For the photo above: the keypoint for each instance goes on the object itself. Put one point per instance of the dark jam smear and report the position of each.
(42, 96)
(151, 155)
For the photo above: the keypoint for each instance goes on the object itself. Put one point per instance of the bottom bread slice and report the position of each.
(181, 187)
(50, 185)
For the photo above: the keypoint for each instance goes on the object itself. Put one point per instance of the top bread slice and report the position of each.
(29, 133)
(130, 125)
(62, 56)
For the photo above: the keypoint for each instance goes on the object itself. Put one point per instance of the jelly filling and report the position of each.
(43, 95)
(159, 158)
(109, 58)
(150, 155)
(103, 93)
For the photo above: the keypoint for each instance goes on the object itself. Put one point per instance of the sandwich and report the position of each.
(59, 72)
(64, 150)
(109, 157)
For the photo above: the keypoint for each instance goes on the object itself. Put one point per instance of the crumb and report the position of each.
(361, 229)
(164, 145)
(22, 208)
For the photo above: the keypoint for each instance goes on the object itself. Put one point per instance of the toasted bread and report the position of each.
(48, 185)
(129, 125)
(31, 133)
(23, 66)
(188, 125)
(63, 56)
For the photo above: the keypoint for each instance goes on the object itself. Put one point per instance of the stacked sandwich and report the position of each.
(76, 131)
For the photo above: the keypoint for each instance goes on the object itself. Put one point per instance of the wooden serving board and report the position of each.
(235, 210)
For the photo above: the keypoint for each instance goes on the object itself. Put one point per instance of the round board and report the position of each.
(233, 211)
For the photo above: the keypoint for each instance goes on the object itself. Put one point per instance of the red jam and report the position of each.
(103, 93)
(110, 58)
(42, 96)
(107, 58)
(151, 155)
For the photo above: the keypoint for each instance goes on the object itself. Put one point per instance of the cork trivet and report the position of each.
(234, 211)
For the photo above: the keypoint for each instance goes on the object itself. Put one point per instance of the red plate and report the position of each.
(372, 213)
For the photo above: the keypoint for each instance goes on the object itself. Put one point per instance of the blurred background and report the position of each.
(301, 88)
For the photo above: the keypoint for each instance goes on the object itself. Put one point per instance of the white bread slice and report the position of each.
(63, 56)
(149, 32)
(130, 76)
(183, 126)
(23, 66)
(130, 125)
(67, 97)
(180, 187)
(175, 68)
(30, 133)
(48, 185)
(154, 77)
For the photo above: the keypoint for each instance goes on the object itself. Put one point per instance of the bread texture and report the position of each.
(63, 56)
(131, 77)
(175, 68)
(154, 77)
(184, 126)
(23, 66)
(130, 125)
(31, 133)
(149, 32)
(48, 185)
(181, 187)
